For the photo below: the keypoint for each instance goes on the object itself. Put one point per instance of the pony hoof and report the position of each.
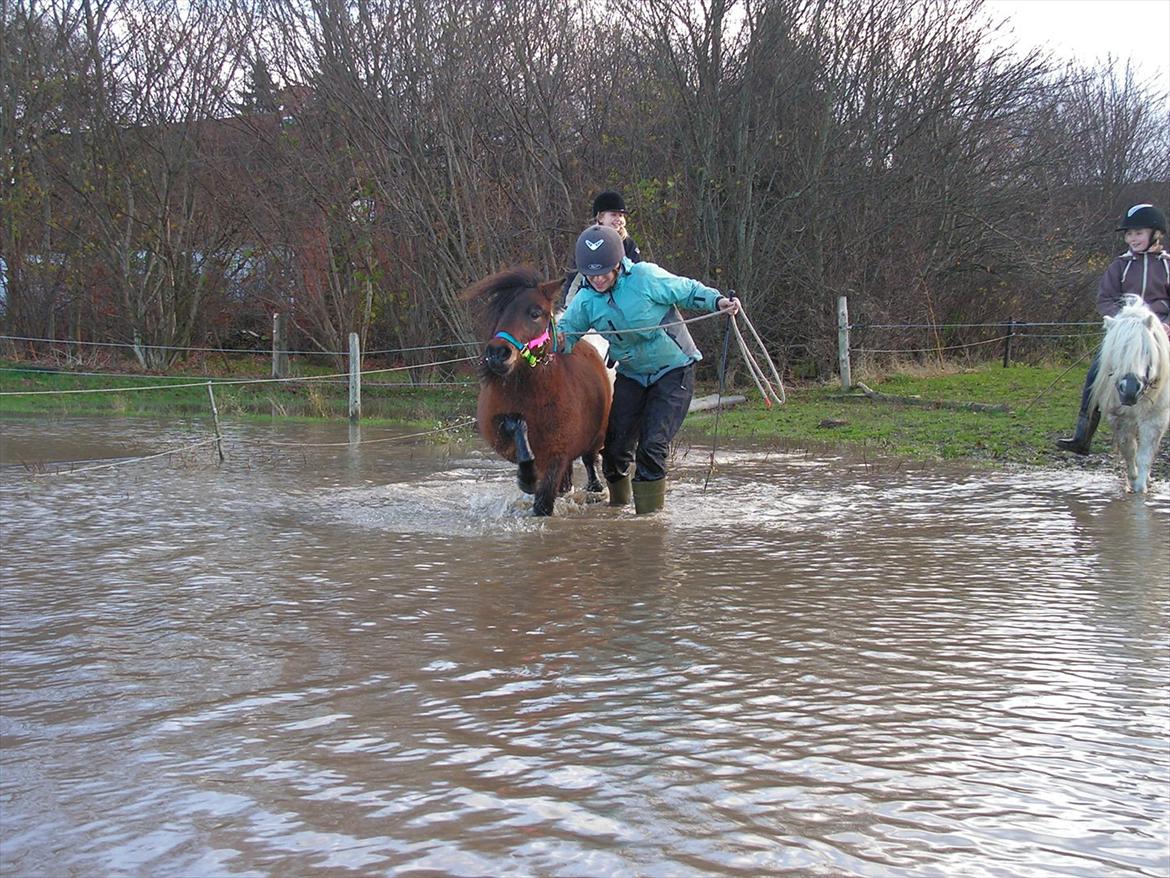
(525, 485)
(594, 487)
(542, 507)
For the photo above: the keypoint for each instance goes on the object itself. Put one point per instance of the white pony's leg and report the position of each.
(1149, 438)
(1143, 458)
(1126, 441)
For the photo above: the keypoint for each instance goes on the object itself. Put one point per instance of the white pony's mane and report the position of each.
(1131, 345)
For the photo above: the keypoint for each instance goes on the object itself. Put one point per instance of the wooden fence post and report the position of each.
(1007, 343)
(843, 342)
(215, 419)
(355, 378)
(279, 345)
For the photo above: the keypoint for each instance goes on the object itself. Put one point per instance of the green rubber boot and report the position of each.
(619, 491)
(649, 496)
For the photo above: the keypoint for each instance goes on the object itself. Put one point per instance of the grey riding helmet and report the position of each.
(1143, 216)
(599, 250)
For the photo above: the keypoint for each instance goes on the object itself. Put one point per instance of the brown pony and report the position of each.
(538, 407)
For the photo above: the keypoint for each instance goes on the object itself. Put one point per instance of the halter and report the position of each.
(526, 350)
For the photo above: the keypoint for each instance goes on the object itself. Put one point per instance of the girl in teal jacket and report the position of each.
(629, 303)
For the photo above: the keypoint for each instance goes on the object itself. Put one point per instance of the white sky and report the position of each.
(1086, 30)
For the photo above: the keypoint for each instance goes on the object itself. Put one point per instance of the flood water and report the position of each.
(372, 660)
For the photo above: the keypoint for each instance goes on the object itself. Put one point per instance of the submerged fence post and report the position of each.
(355, 377)
(843, 342)
(279, 345)
(1007, 343)
(215, 420)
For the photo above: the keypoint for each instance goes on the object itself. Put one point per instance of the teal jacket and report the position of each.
(645, 295)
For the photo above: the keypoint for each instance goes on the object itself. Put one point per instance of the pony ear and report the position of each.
(1151, 322)
(549, 290)
(474, 291)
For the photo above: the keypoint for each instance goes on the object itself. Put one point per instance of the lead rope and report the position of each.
(1036, 398)
(719, 400)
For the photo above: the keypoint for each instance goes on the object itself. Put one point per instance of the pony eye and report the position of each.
(535, 313)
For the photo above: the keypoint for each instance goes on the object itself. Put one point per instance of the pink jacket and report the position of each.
(1140, 274)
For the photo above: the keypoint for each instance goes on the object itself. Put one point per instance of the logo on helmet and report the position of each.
(1136, 208)
(593, 245)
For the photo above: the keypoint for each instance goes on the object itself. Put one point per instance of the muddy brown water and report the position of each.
(371, 660)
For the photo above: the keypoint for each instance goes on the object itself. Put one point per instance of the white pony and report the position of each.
(1133, 387)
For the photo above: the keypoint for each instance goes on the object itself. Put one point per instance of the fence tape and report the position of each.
(932, 350)
(458, 425)
(231, 382)
(256, 351)
(126, 462)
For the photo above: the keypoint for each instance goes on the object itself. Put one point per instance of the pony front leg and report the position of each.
(1149, 437)
(549, 486)
(1128, 449)
(1141, 477)
(514, 427)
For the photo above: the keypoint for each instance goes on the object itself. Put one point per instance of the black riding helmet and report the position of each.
(599, 250)
(1143, 216)
(608, 200)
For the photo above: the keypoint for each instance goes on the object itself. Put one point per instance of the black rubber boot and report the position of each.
(1082, 440)
(649, 496)
(619, 491)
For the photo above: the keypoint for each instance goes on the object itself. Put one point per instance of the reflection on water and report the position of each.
(373, 660)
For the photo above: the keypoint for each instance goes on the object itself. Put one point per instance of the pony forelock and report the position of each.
(1134, 343)
(491, 296)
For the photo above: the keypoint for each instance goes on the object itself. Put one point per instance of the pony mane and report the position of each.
(1131, 345)
(491, 296)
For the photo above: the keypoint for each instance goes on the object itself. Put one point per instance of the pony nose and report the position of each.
(1129, 388)
(496, 358)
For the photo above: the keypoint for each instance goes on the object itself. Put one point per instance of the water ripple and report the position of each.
(361, 662)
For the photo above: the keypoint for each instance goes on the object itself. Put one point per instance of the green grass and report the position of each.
(400, 404)
(1042, 403)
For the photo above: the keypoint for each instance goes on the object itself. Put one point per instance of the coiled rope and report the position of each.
(771, 392)
(771, 387)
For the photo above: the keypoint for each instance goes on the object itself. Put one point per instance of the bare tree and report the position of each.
(363, 162)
